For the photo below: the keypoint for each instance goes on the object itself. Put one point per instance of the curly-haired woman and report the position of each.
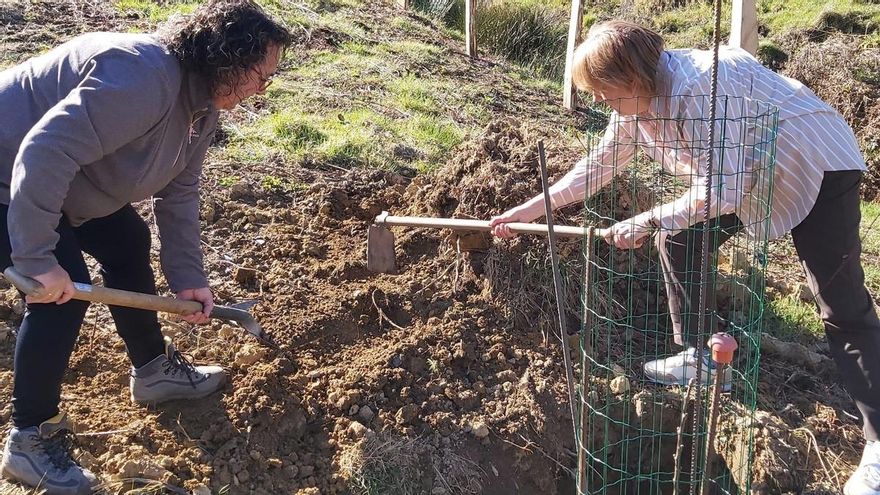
(102, 121)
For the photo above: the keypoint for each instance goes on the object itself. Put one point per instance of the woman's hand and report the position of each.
(202, 295)
(499, 223)
(630, 234)
(57, 287)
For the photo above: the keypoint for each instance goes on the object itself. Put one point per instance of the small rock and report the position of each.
(201, 490)
(239, 190)
(249, 354)
(480, 430)
(274, 462)
(209, 213)
(226, 331)
(366, 414)
(244, 275)
(619, 385)
(407, 414)
(438, 491)
(356, 430)
(353, 409)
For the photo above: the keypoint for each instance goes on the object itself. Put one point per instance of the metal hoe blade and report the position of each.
(380, 250)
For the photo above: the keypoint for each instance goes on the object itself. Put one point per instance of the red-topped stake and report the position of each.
(723, 345)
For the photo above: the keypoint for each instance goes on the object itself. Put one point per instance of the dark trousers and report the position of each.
(121, 244)
(829, 248)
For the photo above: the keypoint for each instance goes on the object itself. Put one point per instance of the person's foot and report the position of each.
(678, 369)
(40, 457)
(865, 480)
(171, 376)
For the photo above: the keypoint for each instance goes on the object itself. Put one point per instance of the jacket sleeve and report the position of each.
(117, 100)
(176, 208)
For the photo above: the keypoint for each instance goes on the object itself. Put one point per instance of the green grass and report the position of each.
(870, 229)
(781, 16)
(790, 318)
(155, 12)
(413, 94)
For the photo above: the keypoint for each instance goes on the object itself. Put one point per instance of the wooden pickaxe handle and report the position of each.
(483, 225)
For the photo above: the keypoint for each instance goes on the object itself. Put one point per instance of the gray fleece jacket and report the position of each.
(104, 120)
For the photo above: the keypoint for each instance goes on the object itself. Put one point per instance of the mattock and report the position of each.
(128, 299)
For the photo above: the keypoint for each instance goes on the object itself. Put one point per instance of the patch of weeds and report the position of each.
(689, 26)
(405, 25)
(771, 55)
(355, 138)
(155, 12)
(851, 16)
(870, 231)
(274, 184)
(344, 68)
(789, 318)
(293, 133)
(287, 133)
(228, 180)
(415, 52)
(435, 366)
(382, 464)
(434, 136)
(413, 94)
(341, 23)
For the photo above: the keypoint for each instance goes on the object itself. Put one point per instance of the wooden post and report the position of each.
(569, 93)
(470, 27)
(744, 26)
(404, 4)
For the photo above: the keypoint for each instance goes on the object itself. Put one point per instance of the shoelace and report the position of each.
(177, 362)
(59, 449)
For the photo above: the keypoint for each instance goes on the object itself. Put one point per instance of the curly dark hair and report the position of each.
(224, 39)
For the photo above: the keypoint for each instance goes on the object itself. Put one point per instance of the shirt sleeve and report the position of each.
(733, 154)
(116, 101)
(590, 174)
(176, 208)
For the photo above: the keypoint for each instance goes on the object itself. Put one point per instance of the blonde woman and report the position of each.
(816, 197)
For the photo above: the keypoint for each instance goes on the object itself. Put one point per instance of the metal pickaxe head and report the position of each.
(380, 247)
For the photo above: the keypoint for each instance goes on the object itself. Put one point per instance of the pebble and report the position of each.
(619, 385)
(201, 490)
(249, 354)
(366, 414)
(356, 430)
(407, 414)
(480, 430)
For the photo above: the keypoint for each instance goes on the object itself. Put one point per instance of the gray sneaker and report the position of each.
(171, 376)
(40, 456)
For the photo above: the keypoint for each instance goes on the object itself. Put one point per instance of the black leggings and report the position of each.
(121, 244)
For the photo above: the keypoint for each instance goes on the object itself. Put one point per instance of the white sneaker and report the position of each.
(678, 369)
(865, 480)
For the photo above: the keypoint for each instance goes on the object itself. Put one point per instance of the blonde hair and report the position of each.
(618, 53)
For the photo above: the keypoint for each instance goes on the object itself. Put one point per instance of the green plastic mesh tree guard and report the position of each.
(633, 435)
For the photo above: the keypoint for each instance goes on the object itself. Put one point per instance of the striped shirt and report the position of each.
(811, 139)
